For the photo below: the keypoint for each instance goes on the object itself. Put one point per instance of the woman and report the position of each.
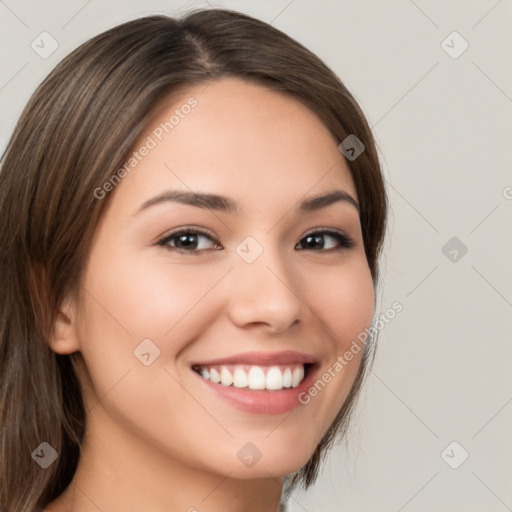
(192, 213)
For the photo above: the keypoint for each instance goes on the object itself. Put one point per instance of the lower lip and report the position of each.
(262, 401)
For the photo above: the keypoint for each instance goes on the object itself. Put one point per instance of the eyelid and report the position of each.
(323, 229)
(188, 229)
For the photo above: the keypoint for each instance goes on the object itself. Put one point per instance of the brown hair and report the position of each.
(97, 101)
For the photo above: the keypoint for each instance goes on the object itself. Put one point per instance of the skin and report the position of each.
(156, 438)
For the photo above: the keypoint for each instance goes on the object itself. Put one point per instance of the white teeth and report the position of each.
(287, 378)
(275, 377)
(240, 379)
(256, 378)
(226, 379)
(297, 376)
(214, 375)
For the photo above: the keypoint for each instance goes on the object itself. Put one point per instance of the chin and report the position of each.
(269, 469)
(264, 459)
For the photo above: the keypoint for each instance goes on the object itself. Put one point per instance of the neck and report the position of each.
(117, 471)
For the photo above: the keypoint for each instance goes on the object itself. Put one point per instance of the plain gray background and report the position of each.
(443, 124)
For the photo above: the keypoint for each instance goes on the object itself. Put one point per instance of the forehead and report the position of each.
(240, 139)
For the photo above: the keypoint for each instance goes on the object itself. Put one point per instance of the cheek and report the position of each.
(346, 310)
(135, 301)
(343, 300)
(150, 297)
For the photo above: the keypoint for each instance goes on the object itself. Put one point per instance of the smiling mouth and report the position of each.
(255, 377)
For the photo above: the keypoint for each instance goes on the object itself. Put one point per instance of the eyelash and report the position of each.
(344, 241)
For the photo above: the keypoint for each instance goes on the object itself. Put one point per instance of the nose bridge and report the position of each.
(264, 290)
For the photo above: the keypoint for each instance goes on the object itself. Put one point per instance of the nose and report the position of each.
(265, 294)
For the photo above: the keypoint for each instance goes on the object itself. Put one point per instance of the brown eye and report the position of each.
(189, 241)
(325, 240)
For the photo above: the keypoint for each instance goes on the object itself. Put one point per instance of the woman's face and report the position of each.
(253, 288)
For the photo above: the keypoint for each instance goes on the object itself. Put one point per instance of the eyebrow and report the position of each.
(225, 204)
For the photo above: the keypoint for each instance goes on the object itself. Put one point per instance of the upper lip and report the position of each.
(262, 359)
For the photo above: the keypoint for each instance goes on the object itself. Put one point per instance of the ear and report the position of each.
(64, 338)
